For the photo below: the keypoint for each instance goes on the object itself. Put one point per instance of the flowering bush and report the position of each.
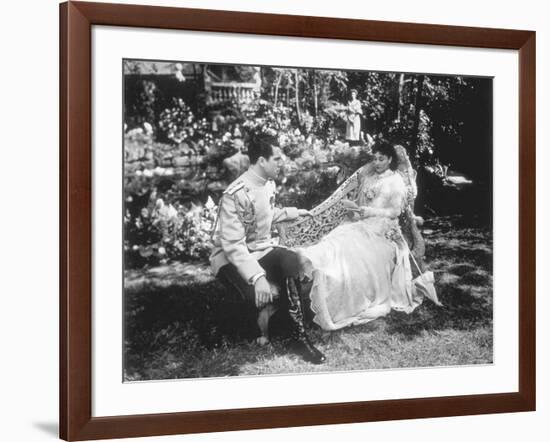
(168, 216)
(260, 116)
(166, 232)
(176, 123)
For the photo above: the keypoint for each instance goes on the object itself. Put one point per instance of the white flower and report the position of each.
(148, 128)
(210, 203)
(171, 211)
(159, 204)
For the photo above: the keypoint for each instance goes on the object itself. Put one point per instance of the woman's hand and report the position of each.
(304, 212)
(351, 208)
(349, 205)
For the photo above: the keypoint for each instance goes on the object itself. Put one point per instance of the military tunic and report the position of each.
(243, 229)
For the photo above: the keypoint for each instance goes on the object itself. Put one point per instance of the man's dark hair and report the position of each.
(261, 145)
(384, 147)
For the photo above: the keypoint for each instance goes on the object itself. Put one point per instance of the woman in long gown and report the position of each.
(361, 269)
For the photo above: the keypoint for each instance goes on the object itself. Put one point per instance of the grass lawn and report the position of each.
(180, 322)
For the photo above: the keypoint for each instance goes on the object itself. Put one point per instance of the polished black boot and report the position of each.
(301, 343)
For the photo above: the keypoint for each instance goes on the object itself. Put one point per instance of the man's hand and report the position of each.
(304, 212)
(263, 292)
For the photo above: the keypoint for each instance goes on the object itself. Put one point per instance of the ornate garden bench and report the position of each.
(331, 213)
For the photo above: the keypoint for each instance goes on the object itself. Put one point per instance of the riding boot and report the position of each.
(302, 345)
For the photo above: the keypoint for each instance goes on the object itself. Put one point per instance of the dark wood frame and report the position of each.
(76, 421)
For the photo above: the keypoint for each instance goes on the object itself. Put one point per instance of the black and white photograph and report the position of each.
(288, 220)
(233, 221)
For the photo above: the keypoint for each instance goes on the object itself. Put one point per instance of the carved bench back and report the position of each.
(331, 212)
(326, 216)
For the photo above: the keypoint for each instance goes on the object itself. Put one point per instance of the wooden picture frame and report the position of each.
(76, 21)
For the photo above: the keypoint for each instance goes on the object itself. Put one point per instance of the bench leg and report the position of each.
(263, 323)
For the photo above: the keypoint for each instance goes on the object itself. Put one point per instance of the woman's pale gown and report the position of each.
(361, 269)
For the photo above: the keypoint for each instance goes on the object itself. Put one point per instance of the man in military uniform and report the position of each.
(245, 256)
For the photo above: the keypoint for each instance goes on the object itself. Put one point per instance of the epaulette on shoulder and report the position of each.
(234, 187)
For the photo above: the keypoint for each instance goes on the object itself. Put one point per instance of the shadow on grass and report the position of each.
(170, 327)
(182, 323)
(462, 260)
(461, 311)
(192, 330)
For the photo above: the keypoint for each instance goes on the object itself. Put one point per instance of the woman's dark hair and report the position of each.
(352, 91)
(261, 145)
(385, 148)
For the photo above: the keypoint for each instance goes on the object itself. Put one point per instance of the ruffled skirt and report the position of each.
(360, 272)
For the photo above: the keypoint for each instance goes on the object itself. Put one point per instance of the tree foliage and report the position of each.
(444, 122)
